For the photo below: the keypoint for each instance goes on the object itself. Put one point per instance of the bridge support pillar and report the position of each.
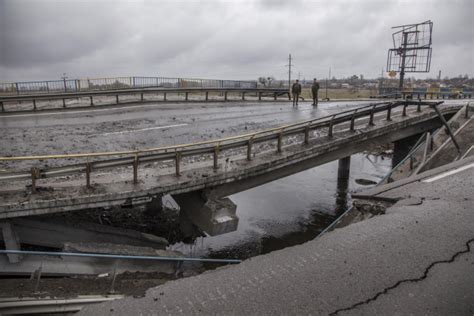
(344, 168)
(155, 206)
(341, 195)
(343, 172)
(11, 241)
(402, 147)
(215, 216)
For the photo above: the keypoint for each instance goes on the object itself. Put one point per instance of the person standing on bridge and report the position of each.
(314, 91)
(296, 91)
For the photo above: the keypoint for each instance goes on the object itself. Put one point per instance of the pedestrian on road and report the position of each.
(296, 91)
(314, 91)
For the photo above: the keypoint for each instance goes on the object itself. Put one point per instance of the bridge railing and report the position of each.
(212, 148)
(224, 91)
(112, 83)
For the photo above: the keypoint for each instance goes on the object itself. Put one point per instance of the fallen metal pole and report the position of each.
(109, 256)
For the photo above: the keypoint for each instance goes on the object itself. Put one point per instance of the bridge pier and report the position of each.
(341, 195)
(402, 147)
(11, 241)
(215, 216)
(343, 172)
(155, 205)
(344, 168)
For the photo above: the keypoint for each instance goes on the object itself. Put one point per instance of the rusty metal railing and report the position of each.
(259, 92)
(213, 148)
(94, 84)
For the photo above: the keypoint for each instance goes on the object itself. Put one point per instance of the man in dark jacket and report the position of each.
(314, 91)
(296, 91)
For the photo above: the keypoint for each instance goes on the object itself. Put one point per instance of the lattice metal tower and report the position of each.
(412, 49)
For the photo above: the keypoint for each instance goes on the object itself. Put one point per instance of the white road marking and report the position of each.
(448, 173)
(141, 130)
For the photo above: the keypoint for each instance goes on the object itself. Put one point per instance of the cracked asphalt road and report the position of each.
(415, 259)
(422, 296)
(144, 126)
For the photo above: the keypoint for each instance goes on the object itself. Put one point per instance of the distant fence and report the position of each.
(78, 85)
(430, 93)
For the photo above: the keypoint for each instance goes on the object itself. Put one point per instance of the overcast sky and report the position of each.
(229, 39)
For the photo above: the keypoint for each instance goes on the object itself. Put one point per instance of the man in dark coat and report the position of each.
(296, 91)
(314, 91)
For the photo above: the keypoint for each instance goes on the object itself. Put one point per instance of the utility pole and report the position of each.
(289, 72)
(381, 83)
(64, 79)
(327, 83)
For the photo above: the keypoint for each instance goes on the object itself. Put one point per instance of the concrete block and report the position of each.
(215, 216)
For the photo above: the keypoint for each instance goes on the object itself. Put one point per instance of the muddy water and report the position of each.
(288, 211)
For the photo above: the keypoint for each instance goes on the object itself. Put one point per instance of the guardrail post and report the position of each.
(260, 96)
(331, 123)
(243, 95)
(92, 101)
(135, 169)
(141, 96)
(306, 135)
(275, 96)
(249, 150)
(88, 174)
(279, 143)
(186, 95)
(64, 103)
(404, 113)
(34, 176)
(164, 96)
(117, 99)
(216, 157)
(466, 115)
(207, 95)
(389, 112)
(34, 105)
(3, 108)
(225, 96)
(353, 121)
(371, 119)
(177, 162)
(418, 107)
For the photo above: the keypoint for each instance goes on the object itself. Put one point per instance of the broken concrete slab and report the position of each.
(214, 216)
(55, 234)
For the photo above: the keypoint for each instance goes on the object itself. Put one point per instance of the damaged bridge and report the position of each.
(201, 175)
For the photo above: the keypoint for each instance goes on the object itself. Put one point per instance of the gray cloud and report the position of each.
(222, 39)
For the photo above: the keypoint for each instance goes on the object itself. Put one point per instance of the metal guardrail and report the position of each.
(93, 84)
(275, 92)
(437, 94)
(211, 147)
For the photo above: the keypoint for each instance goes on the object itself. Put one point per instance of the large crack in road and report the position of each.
(417, 279)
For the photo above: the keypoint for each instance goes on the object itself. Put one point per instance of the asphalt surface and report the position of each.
(139, 126)
(149, 125)
(417, 258)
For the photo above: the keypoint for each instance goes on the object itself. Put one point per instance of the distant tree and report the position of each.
(266, 81)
